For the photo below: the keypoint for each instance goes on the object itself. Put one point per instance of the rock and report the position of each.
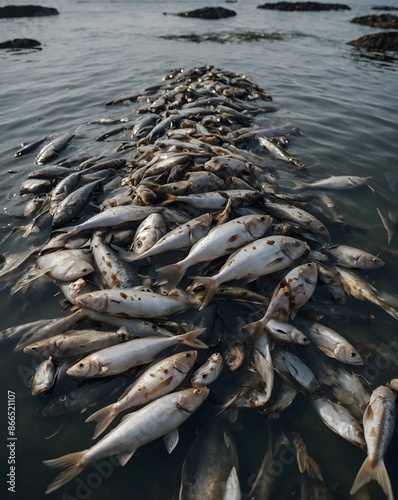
(20, 43)
(209, 13)
(384, 7)
(26, 11)
(385, 21)
(383, 41)
(303, 6)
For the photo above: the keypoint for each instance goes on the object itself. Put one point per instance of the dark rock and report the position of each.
(384, 7)
(26, 11)
(303, 6)
(385, 21)
(384, 41)
(209, 13)
(20, 43)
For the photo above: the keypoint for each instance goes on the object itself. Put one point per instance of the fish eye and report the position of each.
(204, 375)
(33, 348)
(188, 355)
(296, 243)
(353, 354)
(80, 365)
(198, 391)
(62, 398)
(139, 243)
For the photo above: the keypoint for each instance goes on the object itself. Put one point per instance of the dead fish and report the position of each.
(353, 257)
(120, 358)
(208, 372)
(159, 418)
(221, 240)
(43, 378)
(54, 148)
(334, 182)
(293, 291)
(158, 380)
(28, 148)
(379, 425)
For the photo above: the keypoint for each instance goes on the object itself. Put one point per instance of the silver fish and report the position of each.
(220, 241)
(292, 292)
(330, 342)
(209, 371)
(334, 182)
(262, 257)
(159, 418)
(120, 358)
(379, 425)
(149, 232)
(53, 148)
(43, 378)
(133, 303)
(354, 257)
(340, 421)
(158, 380)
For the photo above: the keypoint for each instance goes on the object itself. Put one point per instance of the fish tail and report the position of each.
(370, 471)
(170, 275)
(190, 339)
(73, 467)
(391, 311)
(308, 465)
(170, 198)
(104, 417)
(132, 256)
(210, 285)
(254, 329)
(299, 185)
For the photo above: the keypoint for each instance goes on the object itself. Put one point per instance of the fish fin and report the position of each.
(125, 457)
(190, 339)
(223, 216)
(210, 285)
(104, 417)
(171, 440)
(165, 383)
(25, 281)
(170, 275)
(370, 471)
(232, 488)
(104, 369)
(73, 467)
(326, 351)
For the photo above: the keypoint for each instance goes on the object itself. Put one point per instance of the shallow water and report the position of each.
(345, 105)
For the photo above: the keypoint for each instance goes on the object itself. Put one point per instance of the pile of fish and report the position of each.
(201, 275)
